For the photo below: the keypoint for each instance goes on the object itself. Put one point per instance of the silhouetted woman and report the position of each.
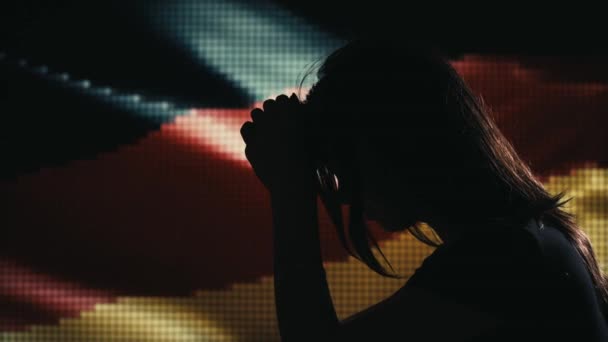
(408, 142)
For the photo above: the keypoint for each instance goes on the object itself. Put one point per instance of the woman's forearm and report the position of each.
(303, 302)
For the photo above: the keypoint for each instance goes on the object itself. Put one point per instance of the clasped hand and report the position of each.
(279, 144)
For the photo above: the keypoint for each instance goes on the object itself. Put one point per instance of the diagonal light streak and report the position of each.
(258, 46)
(156, 111)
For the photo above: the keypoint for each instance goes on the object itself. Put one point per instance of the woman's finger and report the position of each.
(248, 132)
(258, 115)
(269, 105)
(282, 99)
(249, 154)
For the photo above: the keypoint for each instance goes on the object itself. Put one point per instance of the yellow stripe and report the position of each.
(245, 312)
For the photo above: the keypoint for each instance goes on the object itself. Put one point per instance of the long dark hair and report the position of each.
(426, 125)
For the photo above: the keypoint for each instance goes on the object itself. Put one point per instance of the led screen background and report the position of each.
(129, 210)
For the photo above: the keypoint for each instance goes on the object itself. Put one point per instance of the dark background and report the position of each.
(98, 202)
(108, 42)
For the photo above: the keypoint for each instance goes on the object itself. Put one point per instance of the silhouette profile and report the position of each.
(409, 143)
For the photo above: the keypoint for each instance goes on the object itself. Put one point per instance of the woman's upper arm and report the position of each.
(414, 314)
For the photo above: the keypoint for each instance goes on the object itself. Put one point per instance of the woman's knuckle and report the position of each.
(268, 103)
(256, 114)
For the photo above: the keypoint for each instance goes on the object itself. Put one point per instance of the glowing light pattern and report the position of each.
(157, 111)
(222, 315)
(258, 46)
(262, 49)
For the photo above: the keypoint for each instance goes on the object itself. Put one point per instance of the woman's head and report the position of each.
(400, 120)
(409, 142)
